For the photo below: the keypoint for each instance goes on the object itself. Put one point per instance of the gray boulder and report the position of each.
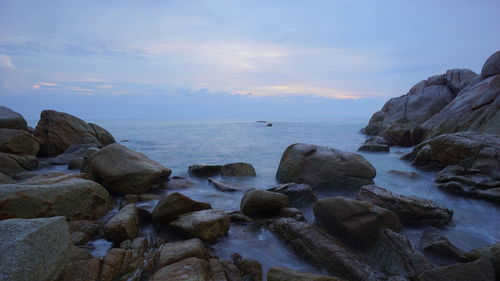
(208, 225)
(491, 66)
(170, 207)
(12, 120)
(56, 131)
(55, 194)
(410, 209)
(323, 250)
(480, 270)
(135, 174)
(321, 166)
(354, 221)
(33, 249)
(238, 170)
(18, 142)
(394, 255)
(124, 225)
(261, 202)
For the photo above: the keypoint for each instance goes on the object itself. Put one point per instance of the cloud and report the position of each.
(5, 61)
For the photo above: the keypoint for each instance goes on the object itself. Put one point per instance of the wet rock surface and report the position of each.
(124, 225)
(261, 202)
(170, 207)
(298, 194)
(480, 270)
(439, 249)
(208, 225)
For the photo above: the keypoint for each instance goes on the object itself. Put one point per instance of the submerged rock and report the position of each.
(261, 202)
(124, 225)
(354, 221)
(56, 131)
(394, 255)
(208, 224)
(410, 209)
(204, 170)
(439, 248)
(33, 249)
(321, 166)
(287, 274)
(55, 194)
(222, 186)
(299, 194)
(480, 270)
(238, 170)
(135, 174)
(323, 250)
(170, 207)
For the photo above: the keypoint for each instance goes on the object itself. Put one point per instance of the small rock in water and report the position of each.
(261, 202)
(208, 225)
(239, 169)
(439, 248)
(374, 148)
(222, 186)
(177, 182)
(204, 170)
(299, 194)
(269, 125)
(170, 207)
(405, 174)
(124, 225)
(250, 269)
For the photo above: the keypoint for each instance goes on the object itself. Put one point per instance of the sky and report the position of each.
(195, 59)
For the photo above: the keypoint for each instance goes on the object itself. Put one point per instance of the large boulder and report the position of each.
(321, 166)
(56, 131)
(56, 194)
(124, 225)
(323, 250)
(480, 270)
(12, 120)
(422, 102)
(33, 249)
(287, 274)
(491, 66)
(394, 255)
(354, 221)
(170, 207)
(135, 173)
(261, 202)
(410, 209)
(12, 164)
(491, 252)
(207, 225)
(18, 142)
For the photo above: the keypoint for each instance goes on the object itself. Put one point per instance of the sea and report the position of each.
(178, 144)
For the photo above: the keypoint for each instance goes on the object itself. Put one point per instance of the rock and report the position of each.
(475, 109)
(287, 274)
(374, 148)
(54, 195)
(377, 140)
(170, 207)
(321, 166)
(491, 252)
(491, 66)
(222, 186)
(406, 134)
(135, 174)
(404, 174)
(250, 269)
(134, 198)
(354, 221)
(323, 250)
(73, 152)
(293, 213)
(18, 142)
(33, 249)
(261, 202)
(410, 209)
(238, 170)
(5, 179)
(206, 224)
(82, 270)
(232, 272)
(56, 131)
(124, 225)
(102, 135)
(401, 120)
(173, 252)
(10, 119)
(298, 194)
(217, 271)
(394, 255)
(190, 269)
(178, 183)
(439, 249)
(204, 170)
(11, 164)
(238, 216)
(115, 263)
(481, 270)
(75, 164)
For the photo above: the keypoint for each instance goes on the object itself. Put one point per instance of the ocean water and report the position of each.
(179, 144)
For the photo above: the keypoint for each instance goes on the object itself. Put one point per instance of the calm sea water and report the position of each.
(178, 144)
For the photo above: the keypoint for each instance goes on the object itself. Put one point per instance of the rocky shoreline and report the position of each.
(47, 220)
